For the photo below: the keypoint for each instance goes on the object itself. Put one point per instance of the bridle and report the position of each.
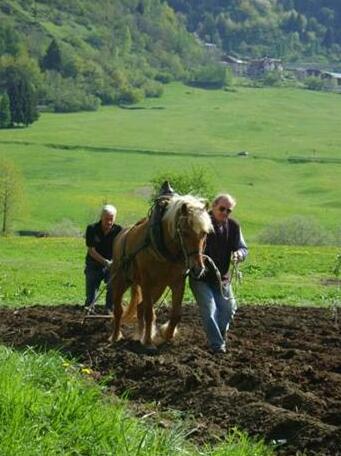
(187, 255)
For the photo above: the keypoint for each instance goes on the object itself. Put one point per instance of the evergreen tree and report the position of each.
(22, 99)
(5, 112)
(53, 57)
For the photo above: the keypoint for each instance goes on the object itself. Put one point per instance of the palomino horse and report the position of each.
(150, 263)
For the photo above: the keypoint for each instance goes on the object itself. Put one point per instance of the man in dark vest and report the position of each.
(214, 297)
(99, 239)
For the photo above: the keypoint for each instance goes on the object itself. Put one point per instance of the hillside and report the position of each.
(108, 51)
(308, 30)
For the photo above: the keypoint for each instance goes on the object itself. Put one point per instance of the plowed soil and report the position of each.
(280, 379)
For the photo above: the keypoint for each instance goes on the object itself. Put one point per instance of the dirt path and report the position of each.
(281, 377)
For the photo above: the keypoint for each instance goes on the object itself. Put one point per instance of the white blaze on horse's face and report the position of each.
(193, 229)
(189, 222)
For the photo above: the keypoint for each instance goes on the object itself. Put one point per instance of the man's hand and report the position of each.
(237, 257)
(108, 263)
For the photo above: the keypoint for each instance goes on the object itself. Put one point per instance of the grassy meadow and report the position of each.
(49, 271)
(73, 162)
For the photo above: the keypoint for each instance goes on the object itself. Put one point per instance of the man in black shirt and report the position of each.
(99, 240)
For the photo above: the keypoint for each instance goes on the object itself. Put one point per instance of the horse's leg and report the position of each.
(140, 322)
(149, 298)
(118, 288)
(135, 299)
(168, 329)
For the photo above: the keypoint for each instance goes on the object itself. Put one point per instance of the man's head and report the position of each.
(108, 216)
(222, 206)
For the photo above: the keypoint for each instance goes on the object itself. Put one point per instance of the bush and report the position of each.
(297, 230)
(65, 95)
(130, 95)
(65, 228)
(152, 89)
(313, 83)
(272, 79)
(209, 76)
(195, 181)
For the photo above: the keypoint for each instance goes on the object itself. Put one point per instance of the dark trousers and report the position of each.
(94, 275)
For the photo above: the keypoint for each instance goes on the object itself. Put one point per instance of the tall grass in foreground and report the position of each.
(47, 408)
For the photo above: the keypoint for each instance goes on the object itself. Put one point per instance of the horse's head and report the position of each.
(189, 223)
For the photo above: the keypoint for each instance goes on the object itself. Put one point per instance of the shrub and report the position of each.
(65, 95)
(152, 89)
(195, 181)
(209, 76)
(130, 95)
(313, 83)
(272, 79)
(65, 228)
(297, 230)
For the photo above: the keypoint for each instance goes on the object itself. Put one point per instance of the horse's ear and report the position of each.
(207, 205)
(184, 209)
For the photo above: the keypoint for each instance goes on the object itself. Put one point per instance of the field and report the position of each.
(280, 379)
(81, 160)
(49, 271)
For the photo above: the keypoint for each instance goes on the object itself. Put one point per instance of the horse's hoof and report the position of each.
(113, 339)
(158, 339)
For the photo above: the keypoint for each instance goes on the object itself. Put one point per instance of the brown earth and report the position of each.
(280, 379)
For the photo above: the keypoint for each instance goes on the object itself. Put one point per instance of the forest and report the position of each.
(70, 56)
(292, 29)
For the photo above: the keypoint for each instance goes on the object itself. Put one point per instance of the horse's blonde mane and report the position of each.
(198, 217)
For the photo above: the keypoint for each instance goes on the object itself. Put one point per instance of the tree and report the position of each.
(23, 103)
(11, 194)
(5, 111)
(53, 57)
(19, 78)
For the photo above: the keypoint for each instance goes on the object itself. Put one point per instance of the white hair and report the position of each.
(109, 209)
(198, 217)
(225, 196)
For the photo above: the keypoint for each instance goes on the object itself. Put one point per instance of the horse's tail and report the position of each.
(130, 313)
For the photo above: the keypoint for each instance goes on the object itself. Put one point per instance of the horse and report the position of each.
(155, 253)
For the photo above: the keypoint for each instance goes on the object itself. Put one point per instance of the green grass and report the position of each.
(49, 407)
(50, 271)
(73, 162)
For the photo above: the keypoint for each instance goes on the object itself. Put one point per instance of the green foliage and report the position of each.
(209, 76)
(297, 230)
(20, 78)
(66, 95)
(337, 266)
(5, 111)
(272, 79)
(313, 83)
(195, 181)
(52, 60)
(11, 194)
(50, 405)
(145, 42)
(292, 29)
(9, 39)
(130, 95)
